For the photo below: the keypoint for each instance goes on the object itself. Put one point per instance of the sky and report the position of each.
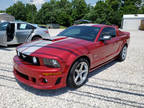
(6, 3)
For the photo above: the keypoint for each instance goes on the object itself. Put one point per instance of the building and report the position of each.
(132, 22)
(6, 17)
(142, 2)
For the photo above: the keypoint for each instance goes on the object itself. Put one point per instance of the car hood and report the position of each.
(55, 46)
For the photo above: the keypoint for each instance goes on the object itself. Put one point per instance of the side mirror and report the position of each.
(105, 37)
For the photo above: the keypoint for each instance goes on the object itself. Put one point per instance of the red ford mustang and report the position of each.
(66, 60)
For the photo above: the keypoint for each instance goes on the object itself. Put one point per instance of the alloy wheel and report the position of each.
(81, 73)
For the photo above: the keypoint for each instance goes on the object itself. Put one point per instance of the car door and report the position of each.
(3, 35)
(24, 30)
(104, 50)
(116, 41)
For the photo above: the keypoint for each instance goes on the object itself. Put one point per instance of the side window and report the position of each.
(108, 31)
(29, 27)
(23, 26)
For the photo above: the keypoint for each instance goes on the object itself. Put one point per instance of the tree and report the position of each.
(2, 11)
(63, 18)
(142, 9)
(31, 12)
(18, 11)
(47, 13)
(79, 9)
(115, 5)
(131, 7)
(55, 12)
(64, 12)
(102, 13)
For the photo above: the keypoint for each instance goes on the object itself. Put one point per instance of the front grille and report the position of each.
(28, 59)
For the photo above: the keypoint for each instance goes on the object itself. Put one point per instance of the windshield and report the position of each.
(3, 26)
(82, 32)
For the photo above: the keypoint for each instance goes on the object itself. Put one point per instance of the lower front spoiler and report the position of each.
(31, 82)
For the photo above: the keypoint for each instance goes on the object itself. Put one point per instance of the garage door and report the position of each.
(131, 24)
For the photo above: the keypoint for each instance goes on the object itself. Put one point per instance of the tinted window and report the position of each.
(24, 26)
(109, 31)
(82, 32)
(3, 26)
(42, 27)
(29, 26)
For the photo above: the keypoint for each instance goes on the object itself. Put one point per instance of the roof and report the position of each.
(17, 21)
(94, 25)
(82, 20)
(3, 13)
(134, 16)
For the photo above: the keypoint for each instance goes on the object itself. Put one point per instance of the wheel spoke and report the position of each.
(76, 70)
(76, 78)
(81, 78)
(81, 66)
(84, 71)
(124, 53)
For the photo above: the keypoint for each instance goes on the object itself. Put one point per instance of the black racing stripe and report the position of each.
(70, 48)
(84, 46)
(62, 49)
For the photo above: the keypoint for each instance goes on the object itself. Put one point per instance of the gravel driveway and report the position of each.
(115, 85)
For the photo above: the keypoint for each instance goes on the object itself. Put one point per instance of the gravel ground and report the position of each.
(115, 85)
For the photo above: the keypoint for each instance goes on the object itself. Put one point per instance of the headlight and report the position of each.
(51, 63)
(18, 53)
(35, 61)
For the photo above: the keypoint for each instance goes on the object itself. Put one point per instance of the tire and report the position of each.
(123, 54)
(36, 38)
(78, 73)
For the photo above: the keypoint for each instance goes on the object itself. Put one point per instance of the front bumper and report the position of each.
(33, 75)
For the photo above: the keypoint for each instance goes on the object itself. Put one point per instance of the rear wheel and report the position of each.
(36, 38)
(78, 74)
(123, 53)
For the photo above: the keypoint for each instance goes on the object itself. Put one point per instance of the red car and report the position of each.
(66, 60)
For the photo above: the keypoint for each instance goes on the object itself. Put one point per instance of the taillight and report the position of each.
(46, 31)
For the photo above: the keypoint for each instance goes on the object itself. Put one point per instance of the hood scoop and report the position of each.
(55, 38)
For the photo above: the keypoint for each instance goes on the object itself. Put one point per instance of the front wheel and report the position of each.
(123, 53)
(78, 74)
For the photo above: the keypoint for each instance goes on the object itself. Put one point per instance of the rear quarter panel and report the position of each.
(39, 32)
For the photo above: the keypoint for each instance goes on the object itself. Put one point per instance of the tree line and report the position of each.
(65, 12)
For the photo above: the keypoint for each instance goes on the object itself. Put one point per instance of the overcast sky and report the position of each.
(6, 3)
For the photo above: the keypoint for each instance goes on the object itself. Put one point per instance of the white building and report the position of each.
(6, 17)
(142, 2)
(132, 22)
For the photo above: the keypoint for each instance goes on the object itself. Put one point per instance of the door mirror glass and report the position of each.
(105, 37)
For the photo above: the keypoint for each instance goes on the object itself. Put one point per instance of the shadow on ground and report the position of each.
(86, 93)
(8, 48)
(62, 90)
